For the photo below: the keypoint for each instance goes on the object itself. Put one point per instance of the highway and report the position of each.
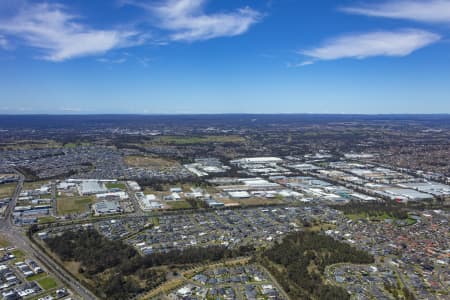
(18, 239)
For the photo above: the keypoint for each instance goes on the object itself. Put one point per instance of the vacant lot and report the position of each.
(73, 205)
(47, 283)
(7, 190)
(148, 162)
(34, 184)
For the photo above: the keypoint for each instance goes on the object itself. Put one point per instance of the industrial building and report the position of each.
(106, 207)
(90, 187)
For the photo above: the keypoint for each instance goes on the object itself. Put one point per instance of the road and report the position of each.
(53, 193)
(137, 209)
(18, 238)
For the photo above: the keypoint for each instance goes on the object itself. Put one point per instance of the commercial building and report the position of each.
(106, 207)
(91, 187)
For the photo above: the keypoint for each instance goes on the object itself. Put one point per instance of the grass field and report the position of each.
(18, 254)
(47, 283)
(148, 162)
(48, 219)
(73, 205)
(116, 185)
(73, 145)
(179, 205)
(189, 140)
(3, 242)
(7, 190)
(34, 184)
(37, 277)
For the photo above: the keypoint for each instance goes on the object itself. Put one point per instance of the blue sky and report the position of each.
(211, 56)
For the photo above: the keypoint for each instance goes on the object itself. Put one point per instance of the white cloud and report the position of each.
(433, 11)
(3, 42)
(187, 21)
(51, 29)
(300, 64)
(379, 43)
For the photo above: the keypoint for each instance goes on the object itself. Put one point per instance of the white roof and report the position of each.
(239, 194)
(122, 195)
(260, 159)
(92, 187)
(150, 197)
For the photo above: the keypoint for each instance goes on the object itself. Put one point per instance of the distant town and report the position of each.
(225, 207)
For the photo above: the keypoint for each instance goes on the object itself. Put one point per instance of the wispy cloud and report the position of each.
(186, 20)
(59, 34)
(112, 61)
(432, 11)
(3, 42)
(379, 43)
(300, 64)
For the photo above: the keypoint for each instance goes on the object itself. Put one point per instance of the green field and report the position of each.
(37, 277)
(73, 205)
(116, 185)
(34, 184)
(179, 205)
(18, 254)
(78, 144)
(47, 283)
(7, 190)
(3, 242)
(49, 219)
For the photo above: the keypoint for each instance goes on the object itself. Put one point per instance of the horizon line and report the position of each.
(215, 114)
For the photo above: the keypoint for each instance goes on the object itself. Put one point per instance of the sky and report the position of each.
(234, 56)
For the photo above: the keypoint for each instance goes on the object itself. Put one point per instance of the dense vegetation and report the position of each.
(396, 290)
(88, 247)
(299, 261)
(119, 270)
(194, 203)
(373, 210)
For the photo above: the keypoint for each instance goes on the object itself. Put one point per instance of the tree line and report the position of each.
(374, 209)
